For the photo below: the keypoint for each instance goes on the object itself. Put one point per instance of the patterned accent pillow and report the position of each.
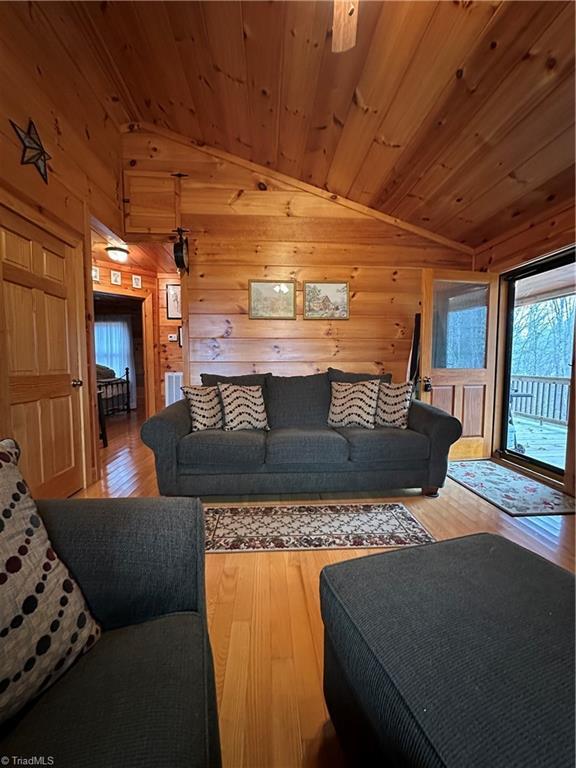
(205, 407)
(393, 404)
(353, 404)
(44, 621)
(243, 407)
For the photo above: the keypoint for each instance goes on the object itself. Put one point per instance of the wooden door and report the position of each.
(40, 388)
(459, 317)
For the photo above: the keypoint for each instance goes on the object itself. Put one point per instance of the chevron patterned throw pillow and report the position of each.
(205, 407)
(243, 407)
(393, 404)
(353, 404)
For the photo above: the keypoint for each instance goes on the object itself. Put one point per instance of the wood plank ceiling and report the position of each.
(456, 116)
(150, 257)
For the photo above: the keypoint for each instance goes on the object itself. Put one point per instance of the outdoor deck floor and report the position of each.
(543, 441)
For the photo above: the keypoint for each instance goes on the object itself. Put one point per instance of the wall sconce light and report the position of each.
(117, 253)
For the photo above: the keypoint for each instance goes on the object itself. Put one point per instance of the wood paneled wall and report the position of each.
(249, 223)
(171, 353)
(223, 339)
(42, 80)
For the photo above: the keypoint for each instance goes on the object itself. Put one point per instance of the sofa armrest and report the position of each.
(162, 432)
(436, 424)
(133, 558)
(442, 430)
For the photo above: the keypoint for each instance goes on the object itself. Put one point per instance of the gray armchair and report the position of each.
(144, 695)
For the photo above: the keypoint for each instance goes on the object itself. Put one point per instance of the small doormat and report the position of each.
(325, 526)
(512, 492)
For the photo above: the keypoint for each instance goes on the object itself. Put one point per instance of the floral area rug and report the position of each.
(328, 526)
(512, 492)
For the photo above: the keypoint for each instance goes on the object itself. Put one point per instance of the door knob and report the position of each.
(77, 382)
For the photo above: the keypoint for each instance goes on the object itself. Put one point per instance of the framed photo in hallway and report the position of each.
(173, 302)
(326, 301)
(115, 277)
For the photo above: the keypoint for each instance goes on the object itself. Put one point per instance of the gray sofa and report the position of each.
(144, 695)
(300, 453)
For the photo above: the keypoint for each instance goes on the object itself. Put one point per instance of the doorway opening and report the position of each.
(539, 360)
(119, 356)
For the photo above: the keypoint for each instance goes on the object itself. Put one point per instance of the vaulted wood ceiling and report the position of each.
(456, 116)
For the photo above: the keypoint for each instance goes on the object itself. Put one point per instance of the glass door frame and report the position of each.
(560, 259)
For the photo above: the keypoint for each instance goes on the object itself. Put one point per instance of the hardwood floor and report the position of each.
(264, 615)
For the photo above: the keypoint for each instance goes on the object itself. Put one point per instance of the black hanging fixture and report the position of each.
(181, 256)
(33, 152)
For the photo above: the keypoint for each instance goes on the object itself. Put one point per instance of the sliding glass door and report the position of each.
(539, 358)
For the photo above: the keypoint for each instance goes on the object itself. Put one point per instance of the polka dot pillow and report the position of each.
(44, 622)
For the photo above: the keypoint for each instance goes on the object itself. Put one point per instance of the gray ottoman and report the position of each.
(458, 654)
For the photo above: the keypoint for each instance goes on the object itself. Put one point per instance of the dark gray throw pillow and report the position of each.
(334, 374)
(247, 380)
(298, 401)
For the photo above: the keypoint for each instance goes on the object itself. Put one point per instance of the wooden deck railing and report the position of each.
(546, 397)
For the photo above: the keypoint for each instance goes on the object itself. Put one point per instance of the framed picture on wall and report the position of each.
(136, 281)
(115, 277)
(95, 274)
(326, 301)
(272, 299)
(173, 302)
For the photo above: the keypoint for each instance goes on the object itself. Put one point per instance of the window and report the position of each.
(459, 324)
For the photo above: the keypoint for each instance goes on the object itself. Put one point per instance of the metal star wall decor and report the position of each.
(33, 153)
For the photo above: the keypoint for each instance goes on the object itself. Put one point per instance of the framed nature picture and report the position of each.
(272, 300)
(173, 302)
(326, 301)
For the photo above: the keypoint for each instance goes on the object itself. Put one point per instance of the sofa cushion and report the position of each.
(334, 374)
(214, 446)
(306, 446)
(139, 698)
(298, 401)
(44, 621)
(385, 444)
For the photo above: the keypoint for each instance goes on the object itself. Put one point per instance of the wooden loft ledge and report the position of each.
(288, 182)
(170, 180)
